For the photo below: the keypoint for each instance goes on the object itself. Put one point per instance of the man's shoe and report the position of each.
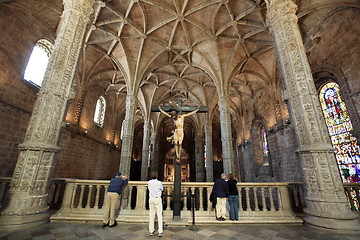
(105, 225)
(219, 219)
(152, 234)
(223, 219)
(160, 235)
(114, 225)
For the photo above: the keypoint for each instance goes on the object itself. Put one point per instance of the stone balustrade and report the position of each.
(258, 202)
(83, 200)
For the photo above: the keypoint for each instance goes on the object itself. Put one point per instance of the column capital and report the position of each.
(280, 9)
(79, 5)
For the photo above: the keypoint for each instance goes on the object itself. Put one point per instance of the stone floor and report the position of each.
(60, 230)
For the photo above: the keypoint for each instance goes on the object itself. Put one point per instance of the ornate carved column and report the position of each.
(208, 153)
(29, 186)
(145, 151)
(326, 204)
(128, 135)
(199, 158)
(226, 136)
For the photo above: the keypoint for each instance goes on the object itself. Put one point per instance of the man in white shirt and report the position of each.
(155, 204)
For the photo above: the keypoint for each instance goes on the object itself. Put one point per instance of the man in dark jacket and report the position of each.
(112, 199)
(221, 188)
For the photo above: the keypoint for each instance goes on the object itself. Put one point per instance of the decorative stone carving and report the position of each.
(28, 192)
(209, 156)
(145, 151)
(325, 199)
(226, 136)
(128, 134)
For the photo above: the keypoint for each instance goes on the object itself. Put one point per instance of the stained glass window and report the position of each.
(347, 150)
(265, 146)
(99, 115)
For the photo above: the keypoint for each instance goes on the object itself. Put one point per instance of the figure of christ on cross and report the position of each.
(178, 133)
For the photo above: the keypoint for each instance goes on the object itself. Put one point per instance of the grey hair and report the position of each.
(223, 175)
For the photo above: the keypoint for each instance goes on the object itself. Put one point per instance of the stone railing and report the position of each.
(258, 202)
(4, 187)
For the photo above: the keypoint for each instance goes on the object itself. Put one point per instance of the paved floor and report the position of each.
(93, 231)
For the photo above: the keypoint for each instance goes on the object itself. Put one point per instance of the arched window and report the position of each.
(262, 160)
(339, 125)
(99, 115)
(36, 67)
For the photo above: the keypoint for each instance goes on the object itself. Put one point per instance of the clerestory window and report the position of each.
(39, 58)
(99, 115)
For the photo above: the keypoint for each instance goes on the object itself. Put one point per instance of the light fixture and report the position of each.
(85, 132)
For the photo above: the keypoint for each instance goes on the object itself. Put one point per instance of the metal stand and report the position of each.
(177, 189)
(193, 227)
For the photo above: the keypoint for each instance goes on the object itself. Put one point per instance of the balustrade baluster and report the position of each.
(91, 187)
(209, 203)
(272, 205)
(262, 192)
(201, 192)
(248, 207)
(97, 197)
(185, 198)
(82, 189)
(193, 192)
(168, 208)
(256, 200)
(74, 196)
(240, 199)
(130, 197)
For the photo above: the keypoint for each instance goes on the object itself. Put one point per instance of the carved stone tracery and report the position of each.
(29, 185)
(325, 198)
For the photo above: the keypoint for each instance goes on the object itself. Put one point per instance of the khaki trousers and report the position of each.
(110, 206)
(220, 207)
(155, 205)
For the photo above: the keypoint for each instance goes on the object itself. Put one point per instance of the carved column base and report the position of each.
(14, 222)
(334, 215)
(332, 223)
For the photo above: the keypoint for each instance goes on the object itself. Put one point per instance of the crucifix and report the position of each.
(178, 112)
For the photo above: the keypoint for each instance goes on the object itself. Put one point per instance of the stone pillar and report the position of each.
(128, 135)
(209, 155)
(154, 156)
(226, 136)
(145, 151)
(248, 155)
(326, 204)
(29, 186)
(199, 159)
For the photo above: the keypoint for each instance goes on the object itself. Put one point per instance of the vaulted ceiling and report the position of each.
(189, 50)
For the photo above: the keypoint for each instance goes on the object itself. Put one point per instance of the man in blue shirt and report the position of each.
(112, 199)
(221, 188)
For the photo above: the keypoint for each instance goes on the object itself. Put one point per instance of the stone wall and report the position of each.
(17, 96)
(82, 157)
(284, 164)
(86, 157)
